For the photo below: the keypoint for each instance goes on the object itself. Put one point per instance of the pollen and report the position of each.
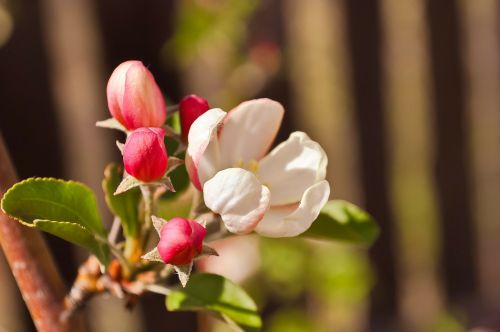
(253, 166)
(240, 164)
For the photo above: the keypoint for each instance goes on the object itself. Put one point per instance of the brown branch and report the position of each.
(30, 261)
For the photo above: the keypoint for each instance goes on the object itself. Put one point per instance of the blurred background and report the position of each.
(403, 95)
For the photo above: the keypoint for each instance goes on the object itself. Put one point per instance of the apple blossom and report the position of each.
(190, 108)
(134, 98)
(181, 240)
(144, 154)
(278, 193)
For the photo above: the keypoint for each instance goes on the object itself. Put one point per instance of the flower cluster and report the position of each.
(136, 102)
(239, 183)
(276, 193)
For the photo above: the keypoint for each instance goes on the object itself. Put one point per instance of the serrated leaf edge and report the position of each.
(40, 179)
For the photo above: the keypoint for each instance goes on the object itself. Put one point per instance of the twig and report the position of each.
(29, 258)
(84, 287)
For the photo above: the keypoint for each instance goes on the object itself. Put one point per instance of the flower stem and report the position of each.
(117, 252)
(197, 205)
(114, 231)
(147, 195)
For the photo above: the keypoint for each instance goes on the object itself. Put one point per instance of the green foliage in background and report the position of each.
(220, 296)
(343, 221)
(198, 22)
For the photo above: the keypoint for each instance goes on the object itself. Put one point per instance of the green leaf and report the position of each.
(174, 122)
(36, 201)
(52, 199)
(125, 205)
(344, 221)
(76, 234)
(220, 296)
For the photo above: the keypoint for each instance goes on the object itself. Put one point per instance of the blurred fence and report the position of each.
(403, 95)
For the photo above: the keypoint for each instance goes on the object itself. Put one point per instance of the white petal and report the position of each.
(292, 220)
(292, 167)
(248, 132)
(239, 197)
(202, 161)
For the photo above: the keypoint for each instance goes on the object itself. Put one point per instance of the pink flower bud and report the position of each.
(190, 108)
(134, 98)
(181, 240)
(144, 154)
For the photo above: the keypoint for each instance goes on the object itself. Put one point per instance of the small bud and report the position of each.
(181, 240)
(190, 108)
(144, 154)
(134, 98)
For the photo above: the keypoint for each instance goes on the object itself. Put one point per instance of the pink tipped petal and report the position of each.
(192, 171)
(239, 197)
(143, 104)
(201, 161)
(292, 220)
(115, 90)
(249, 131)
(292, 167)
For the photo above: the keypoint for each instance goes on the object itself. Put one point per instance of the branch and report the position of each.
(29, 258)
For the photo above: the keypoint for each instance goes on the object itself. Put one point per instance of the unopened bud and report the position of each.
(144, 154)
(190, 108)
(134, 98)
(181, 240)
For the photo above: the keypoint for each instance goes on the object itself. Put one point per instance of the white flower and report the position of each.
(277, 194)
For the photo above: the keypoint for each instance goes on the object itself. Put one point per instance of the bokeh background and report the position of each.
(403, 95)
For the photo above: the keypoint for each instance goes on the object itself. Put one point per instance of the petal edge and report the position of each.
(292, 167)
(249, 131)
(202, 132)
(292, 220)
(239, 197)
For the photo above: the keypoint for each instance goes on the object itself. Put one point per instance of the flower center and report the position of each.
(252, 165)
